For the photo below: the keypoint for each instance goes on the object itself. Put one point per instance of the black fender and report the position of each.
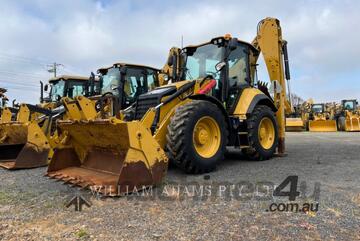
(261, 99)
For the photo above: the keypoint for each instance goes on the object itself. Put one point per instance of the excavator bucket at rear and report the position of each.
(109, 156)
(352, 123)
(23, 145)
(322, 126)
(295, 124)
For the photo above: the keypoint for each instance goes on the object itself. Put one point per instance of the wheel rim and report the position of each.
(266, 133)
(206, 137)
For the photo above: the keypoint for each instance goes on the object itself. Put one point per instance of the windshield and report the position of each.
(57, 89)
(317, 108)
(111, 80)
(349, 105)
(76, 88)
(201, 61)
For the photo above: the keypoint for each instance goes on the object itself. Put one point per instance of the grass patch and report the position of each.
(81, 233)
(5, 197)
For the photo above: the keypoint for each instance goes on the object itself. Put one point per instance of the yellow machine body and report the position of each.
(295, 124)
(322, 124)
(111, 156)
(114, 157)
(23, 145)
(352, 121)
(27, 142)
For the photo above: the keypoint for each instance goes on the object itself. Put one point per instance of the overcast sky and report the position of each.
(84, 35)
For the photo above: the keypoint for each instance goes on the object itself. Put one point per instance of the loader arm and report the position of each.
(273, 48)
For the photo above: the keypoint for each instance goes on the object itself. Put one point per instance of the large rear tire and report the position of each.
(197, 137)
(262, 134)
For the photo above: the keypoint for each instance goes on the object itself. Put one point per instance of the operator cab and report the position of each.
(225, 59)
(126, 82)
(350, 105)
(65, 86)
(318, 108)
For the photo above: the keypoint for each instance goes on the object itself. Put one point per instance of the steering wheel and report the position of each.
(210, 73)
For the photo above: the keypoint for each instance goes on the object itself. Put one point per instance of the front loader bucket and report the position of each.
(352, 124)
(322, 126)
(294, 124)
(23, 145)
(109, 156)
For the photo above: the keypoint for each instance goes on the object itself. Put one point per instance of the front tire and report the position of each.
(197, 137)
(262, 134)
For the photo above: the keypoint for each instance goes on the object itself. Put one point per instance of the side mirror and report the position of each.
(233, 43)
(219, 66)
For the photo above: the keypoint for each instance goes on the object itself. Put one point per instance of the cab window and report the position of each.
(111, 80)
(151, 80)
(202, 62)
(349, 105)
(57, 90)
(238, 66)
(77, 89)
(134, 84)
(318, 108)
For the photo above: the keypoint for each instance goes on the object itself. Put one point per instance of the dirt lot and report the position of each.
(32, 207)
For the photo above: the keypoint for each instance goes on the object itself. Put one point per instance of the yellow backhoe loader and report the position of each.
(25, 141)
(189, 122)
(348, 118)
(321, 119)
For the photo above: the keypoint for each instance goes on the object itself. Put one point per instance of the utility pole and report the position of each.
(53, 68)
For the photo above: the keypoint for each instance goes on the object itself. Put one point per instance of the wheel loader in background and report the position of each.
(120, 86)
(25, 142)
(348, 118)
(322, 118)
(298, 120)
(189, 122)
(295, 120)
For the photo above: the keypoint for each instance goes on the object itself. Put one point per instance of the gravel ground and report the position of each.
(32, 207)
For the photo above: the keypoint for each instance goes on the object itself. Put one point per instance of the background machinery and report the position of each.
(3, 100)
(120, 85)
(298, 120)
(348, 117)
(189, 122)
(25, 142)
(321, 118)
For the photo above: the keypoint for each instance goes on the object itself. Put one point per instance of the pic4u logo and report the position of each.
(289, 188)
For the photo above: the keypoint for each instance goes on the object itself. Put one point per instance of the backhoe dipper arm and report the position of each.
(273, 48)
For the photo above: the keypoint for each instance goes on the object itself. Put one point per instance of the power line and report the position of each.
(53, 68)
(21, 74)
(19, 85)
(22, 58)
